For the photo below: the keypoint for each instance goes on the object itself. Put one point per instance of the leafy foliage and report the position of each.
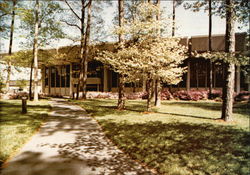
(146, 52)
(49, 25)
(2, 84)
(241, 8)
(235, 58)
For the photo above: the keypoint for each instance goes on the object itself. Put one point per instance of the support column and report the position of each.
(237, 80)
(43, 79)
(144, 83)
(60, 74)
(248, 82)
(105, 79)
(49, 88)
(71, 82)
(188, 75)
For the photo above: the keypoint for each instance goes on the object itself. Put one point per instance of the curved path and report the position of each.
(71, 143)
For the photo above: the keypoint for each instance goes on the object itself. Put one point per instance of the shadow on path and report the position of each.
(71, 143)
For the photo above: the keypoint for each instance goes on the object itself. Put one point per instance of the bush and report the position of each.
(166, 95)
(9, 96)
(191, 95)
(2, 83)
(135, 95)
(108, 95)
(243, 96)
(216, 94)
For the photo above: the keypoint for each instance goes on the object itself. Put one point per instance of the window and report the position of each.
(63, 76)
(46, 76)
(68, 76)
(58, 77)
(53, 73)
(114, 79)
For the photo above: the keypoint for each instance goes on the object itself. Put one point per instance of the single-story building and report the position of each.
(62, 78)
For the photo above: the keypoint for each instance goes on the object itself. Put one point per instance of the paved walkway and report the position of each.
(71, 143)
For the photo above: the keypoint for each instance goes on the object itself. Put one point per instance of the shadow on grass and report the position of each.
(100, 107)
(89, 151)
(20, 125)
(240, 108)
(184, 148)
(189, 116)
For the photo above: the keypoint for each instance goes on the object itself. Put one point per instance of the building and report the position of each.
(19, 78)
(62, 79)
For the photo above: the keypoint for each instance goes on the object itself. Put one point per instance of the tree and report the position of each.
(82, 31)
(157, 83)
(175, 4)
(93, 8)
(207, 5)
(39, 29)
(11, 6)
(145, 51)
(210, 49)
(121, 96)
(86, 50)
(232, 10)
(36, 51)
(228, 88)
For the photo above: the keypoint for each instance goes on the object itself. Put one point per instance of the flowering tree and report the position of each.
(146, 52)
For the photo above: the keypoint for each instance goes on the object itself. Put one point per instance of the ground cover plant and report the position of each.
(16, 128)
(180, 137)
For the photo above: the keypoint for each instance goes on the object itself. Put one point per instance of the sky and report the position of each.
(188, 23)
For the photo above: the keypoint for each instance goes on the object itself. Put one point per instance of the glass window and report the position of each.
(58, 77)
(68, 76)
(46, 76)
(53, 73)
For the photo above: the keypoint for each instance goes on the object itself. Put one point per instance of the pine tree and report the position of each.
(228, 88)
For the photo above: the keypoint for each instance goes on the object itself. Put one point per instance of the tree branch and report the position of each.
(86, 4)
(3, 15)
(74, 25)
(72, 10)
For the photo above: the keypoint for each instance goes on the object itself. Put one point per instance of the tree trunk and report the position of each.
(157, 84)
(80, 79)
(157, 92)
(144, 83)
(173, 19)
(31, 73)
(228, 88)
(10, 45)
(121, 96)
(86, 51)
(210, 50)
(36, 52)
(8, 77)
(149, 92)
(153, 88)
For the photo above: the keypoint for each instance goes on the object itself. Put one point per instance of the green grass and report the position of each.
(16, 128)
(180, 137)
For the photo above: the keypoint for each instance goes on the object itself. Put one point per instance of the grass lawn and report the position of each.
(180, 137)
(16, 128)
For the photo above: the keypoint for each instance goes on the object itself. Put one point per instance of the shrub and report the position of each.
(135, 95)
(166, 95)
(216, 94)
(108, 95)
(191, 95)
(243, 96)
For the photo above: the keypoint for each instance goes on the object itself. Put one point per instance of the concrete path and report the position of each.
(71, 143)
